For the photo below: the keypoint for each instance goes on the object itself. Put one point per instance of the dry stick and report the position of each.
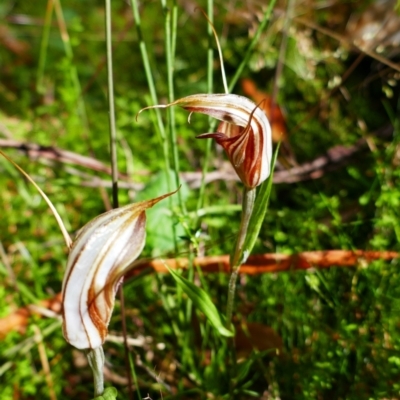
(350, 70)
(10, 271)
(273, 263)
(45, 362)
(34, 150)
(255, 265)
(19, 318)
(344, 40)
(333, 159)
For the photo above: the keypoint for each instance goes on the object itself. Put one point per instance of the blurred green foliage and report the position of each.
(339, 327)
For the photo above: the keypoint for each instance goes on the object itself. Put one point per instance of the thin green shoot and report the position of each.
(170, 35)
(252, 45)
(221, 58)
(67, 238)
(43, 47)
(111, 106)
(73, 70)
(154, 99)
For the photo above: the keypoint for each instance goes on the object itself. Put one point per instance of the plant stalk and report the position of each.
(240, 254)
(170, 46)
(96, 362)
(111, 108)
(154, 99)
(210, 86)
(114, 169)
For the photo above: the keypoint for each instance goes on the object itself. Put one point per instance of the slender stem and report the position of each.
(170, 36)
(149, 76)
(63, 229)
(210, 52)
(239, 255)
(221, 58)
(134, 376)
(210, 85)
(154, 99)
(126, 346)
(231, 296)
(111, 108)
(174, 29)
(96, 362)
(114, 170)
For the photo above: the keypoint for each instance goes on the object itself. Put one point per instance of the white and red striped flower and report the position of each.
(103, 251)
(244, 133)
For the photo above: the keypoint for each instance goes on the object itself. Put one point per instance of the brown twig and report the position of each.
(257, 264)
(45, 362)
(344, 40)
(334, 158)
(268, 263)
(35, 151)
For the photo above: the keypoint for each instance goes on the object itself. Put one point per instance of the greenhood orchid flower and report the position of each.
(244, 132)
(103, 251)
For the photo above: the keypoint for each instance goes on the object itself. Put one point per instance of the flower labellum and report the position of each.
(244, 133)
(103, 251)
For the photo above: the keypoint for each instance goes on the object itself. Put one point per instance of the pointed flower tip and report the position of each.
(103, 251)
(150, 108)
(244, 132)
(155, 106)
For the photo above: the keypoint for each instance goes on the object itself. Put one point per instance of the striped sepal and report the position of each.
(101, 254)
(245, 132)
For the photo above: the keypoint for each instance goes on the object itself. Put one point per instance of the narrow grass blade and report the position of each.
(109, 394)
(63, 229)
(260, 209)
(202, 301)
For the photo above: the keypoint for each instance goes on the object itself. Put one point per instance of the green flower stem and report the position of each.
(111, 108)
(96, 362)
(154, 99)
(240, 254)
(114, 166)
(210, 86)
(170, 45)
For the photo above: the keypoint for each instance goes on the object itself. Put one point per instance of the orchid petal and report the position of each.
(103, 251)
(244, 132)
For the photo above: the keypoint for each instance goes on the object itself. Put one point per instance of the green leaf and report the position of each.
(260, 209)
(202, 301)
(296, 60)
(109, 394)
